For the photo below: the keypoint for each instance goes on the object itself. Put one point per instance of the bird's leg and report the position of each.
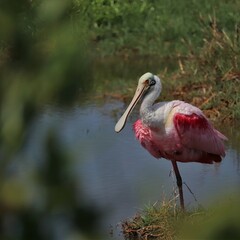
(179, 183)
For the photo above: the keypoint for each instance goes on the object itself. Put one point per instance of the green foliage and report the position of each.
(152, 27)
(44, 59)
(221, 222)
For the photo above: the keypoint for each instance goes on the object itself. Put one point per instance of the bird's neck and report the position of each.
(147, 103)
(147, 109)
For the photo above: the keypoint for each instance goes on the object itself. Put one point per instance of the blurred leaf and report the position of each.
(221, 222)
(47, 62)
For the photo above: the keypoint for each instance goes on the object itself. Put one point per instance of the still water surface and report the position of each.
(116, 174)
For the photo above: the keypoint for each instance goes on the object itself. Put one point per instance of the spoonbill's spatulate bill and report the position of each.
(174, 130)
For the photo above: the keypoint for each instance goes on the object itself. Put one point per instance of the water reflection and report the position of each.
(104, 170)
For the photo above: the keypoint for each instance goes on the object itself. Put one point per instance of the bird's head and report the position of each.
(147, 83)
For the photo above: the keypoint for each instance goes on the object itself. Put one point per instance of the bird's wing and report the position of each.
(196, 132)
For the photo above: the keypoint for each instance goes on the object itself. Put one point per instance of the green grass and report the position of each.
(153, 27)
(165, 221)
(158, 221)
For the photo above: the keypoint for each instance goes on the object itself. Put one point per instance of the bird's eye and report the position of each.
(151, 82)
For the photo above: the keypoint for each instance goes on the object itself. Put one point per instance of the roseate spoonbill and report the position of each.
(174, 130)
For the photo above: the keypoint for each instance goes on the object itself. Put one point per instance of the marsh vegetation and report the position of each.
(166, 221)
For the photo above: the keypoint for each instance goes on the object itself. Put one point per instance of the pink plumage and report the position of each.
(191, 138)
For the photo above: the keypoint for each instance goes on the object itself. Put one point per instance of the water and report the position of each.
(74, 168)
(116, 174)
